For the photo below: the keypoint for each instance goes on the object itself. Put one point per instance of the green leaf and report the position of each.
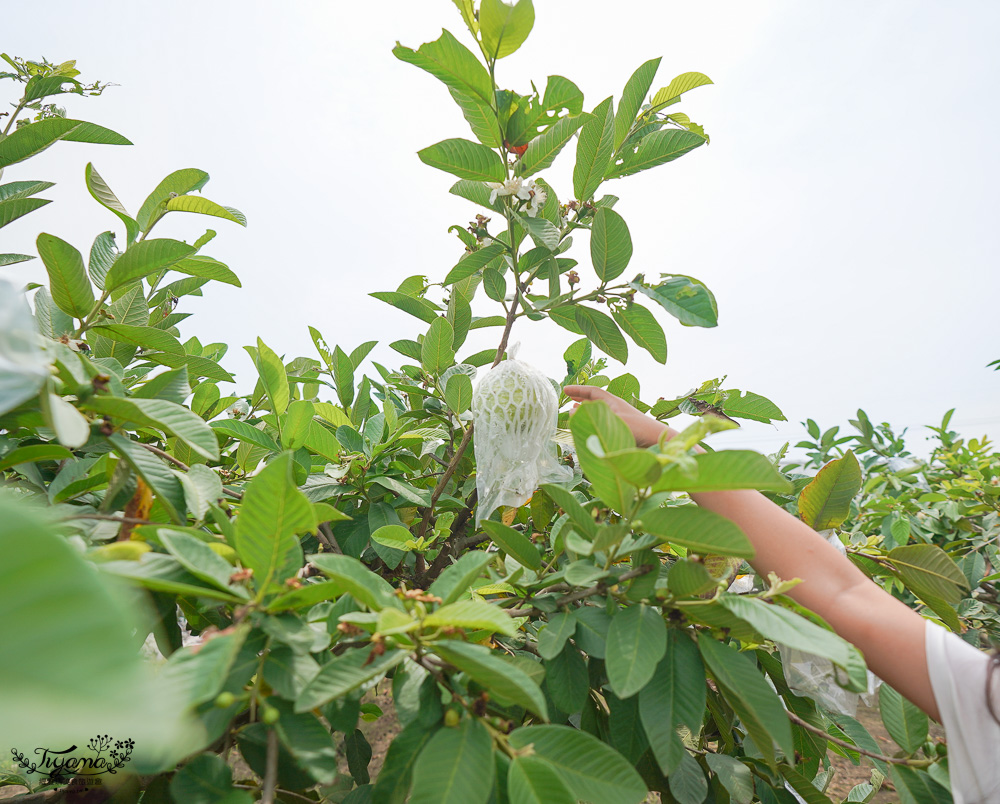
(180, 182)
(68, 281)
(610, 244)
(451, 62)
(344, 674)
(637, 639)
(632, 98)
(929, 571)
(14, 259)
(499, 677)
(696, 529)
(544, 233)
(455, 767)
(906, 724)
(656, 148)
(202, 488)
(271, 515)
(421, 308)
(26, 141)
(36, 453)
(543, 149)
(146, 337)
(734, 775)
(458, 393)
(106, 198)
(456, 579)
(242, 431)
(272, 375)
(515, 544)
(602, 331)
(395, 536)
(202, 206)
(438, 351)
(728, 469)
(343, 374)
(172, 418)
(196, 366)
(480, 116)
(471, 263)
(465, 159)
(143, 259)
(597, 419)
(552, 638)
(392, 785)
(503, 28)
(532, 780)
(643, 328)
(566, 680)
(363, 585)
(583, 520)
(756, 704)
(917, 787)
(296, 425)
(23, 189)
(160, 478)
(592, 770)
(15, 208)
(687, 782)
(674, 696)
(686, 299)
(102, 257)
(593, 151)
(677, 87)
(751, 406)
(206, 268)
(826, 501)
(472, 615)
(199, 559)
(207, 779)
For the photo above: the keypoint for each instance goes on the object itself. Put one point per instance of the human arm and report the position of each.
(889, 634)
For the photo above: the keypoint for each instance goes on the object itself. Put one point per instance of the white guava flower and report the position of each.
(535, 195)
(238, 409)
(508, 187)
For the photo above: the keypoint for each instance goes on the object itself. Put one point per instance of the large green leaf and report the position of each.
(583, 520)
(917, 787)
(157, 475)
(130, 310)
(480, 115)
(12, 209)
(696, 529)
(499, 677)
(532, 780)
(146, 337)
(610, 244)
(597, 419)
(207, 779)
(656, 148)
(459, 577)
(207, 268)
(503, 28)
(106, 198)
(643, 328)
(674, 696)
(751, 406)
(242, 431)
(102, 257)
(180, 182)
(728, 469)
(26, 141)
(68, 281)
(637, 639)
(199, 559)
(202, 206)
(415, 306)
(393, 782)
(438, 351)
(68, 635)
(451, 62)
(593, 151)
(552, 637)
(271, 515)
(472, 615)
(364, 585)
(929, 571)
(471, 263)
(272, 376)
(145, 258)
(174, 419)
(681, 84)
(685, 298)
(757, 705)
(826, 501)
(455, 767)
(592, 770)
(344, 674)
(465, 159)
(602, 331)
(632, 98)
(514, 543)
(906, 724)
(544, 148)
(734, 775)
(196, 366)
(533, 116)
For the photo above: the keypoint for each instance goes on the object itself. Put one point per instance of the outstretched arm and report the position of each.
(888, 633)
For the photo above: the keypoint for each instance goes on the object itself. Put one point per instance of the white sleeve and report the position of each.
(958, 674)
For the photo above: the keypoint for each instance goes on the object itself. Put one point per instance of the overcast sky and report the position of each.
(844, 213)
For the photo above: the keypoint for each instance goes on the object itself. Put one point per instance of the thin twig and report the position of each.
(284, 793)
(128, 520)
(166, 456)
(597, 589)
(271, 771)
(455, 540)
(915, 763)
(325, 535)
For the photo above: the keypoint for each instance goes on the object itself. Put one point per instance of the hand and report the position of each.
(646, 429)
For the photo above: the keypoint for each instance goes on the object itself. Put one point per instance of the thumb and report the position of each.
(584, 392)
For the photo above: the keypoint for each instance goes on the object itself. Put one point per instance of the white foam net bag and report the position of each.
(515, 411)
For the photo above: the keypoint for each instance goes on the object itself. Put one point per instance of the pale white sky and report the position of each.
(844, 213)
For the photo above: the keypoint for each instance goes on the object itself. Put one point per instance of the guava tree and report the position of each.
(319, 535)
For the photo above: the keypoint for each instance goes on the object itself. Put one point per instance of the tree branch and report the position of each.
(271, 770)
(913, 763)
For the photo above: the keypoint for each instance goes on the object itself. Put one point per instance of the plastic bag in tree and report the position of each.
(515, 410)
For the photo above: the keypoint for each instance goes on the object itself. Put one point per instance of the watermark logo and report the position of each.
(60, 765)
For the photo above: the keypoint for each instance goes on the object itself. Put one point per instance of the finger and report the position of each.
(585, 392)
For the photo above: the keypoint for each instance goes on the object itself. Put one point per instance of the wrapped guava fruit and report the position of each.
(515, 410)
